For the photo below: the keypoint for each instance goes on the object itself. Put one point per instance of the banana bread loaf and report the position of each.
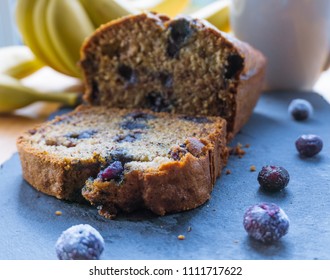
(130, 158)
(180, 66)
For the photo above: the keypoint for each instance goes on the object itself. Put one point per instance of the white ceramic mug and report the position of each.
(294, 35)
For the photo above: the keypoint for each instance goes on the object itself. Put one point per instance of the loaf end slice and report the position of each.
(123, 160)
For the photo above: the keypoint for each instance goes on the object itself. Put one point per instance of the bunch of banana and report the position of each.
(55, 29)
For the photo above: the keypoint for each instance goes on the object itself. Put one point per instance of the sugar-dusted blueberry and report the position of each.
(80, 242)
(309, 145)
(113, 171)
(273, 178)
(266, 222)
(300, 109)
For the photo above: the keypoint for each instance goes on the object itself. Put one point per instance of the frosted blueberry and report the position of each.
(266, 222)
(80, 242)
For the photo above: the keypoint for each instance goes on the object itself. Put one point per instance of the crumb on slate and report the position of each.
(253, 168)
(58, 213)
(237, 150)
(181, 237)
(228, 171)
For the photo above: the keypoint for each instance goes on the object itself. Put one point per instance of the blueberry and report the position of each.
(300, 109)
(196, 119)
(130, 138)
(82, 135)
(80, 242)
(273, 178)
(132, 124)
(127, 73)
(113, 171)
(235, 66)
(309, 145)
(140, 116)
(120, 154)
(266, 222)
(180, 31)
(158, 102)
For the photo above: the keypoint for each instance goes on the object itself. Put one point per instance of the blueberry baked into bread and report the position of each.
(177, 66)
(121, 159)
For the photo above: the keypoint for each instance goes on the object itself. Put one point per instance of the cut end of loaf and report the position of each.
(177, 66)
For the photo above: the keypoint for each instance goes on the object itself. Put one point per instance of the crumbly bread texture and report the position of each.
(130, 159)
(180, 66)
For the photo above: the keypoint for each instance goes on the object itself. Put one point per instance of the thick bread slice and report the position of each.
(180, 66)
(162, 162)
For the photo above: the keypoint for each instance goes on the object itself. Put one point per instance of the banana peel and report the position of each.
(18, 62)
(14, 95)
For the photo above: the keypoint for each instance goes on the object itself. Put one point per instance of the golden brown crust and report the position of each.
(61, 179)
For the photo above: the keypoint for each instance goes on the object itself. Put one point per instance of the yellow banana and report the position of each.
(170, 8)
(216, 13)
(18, 61)
(13, 95)
(68, 25)
(102, 11)
(43, 40)
(24, 19)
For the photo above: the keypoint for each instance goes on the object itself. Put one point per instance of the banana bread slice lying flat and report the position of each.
(179, 66)
(121, 159)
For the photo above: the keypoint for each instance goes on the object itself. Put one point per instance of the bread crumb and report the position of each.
(228, 171)
(58, 213)
(181, 237)
(237, 150)
(253, 168)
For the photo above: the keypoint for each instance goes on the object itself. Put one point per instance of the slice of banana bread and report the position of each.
(180, 66)
(130, 158)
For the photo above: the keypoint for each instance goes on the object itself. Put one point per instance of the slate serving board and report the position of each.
(29, 227)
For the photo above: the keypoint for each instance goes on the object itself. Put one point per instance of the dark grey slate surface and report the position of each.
(29, 228)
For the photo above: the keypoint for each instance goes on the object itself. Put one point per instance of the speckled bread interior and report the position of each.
(170, 162)
(178, 66)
